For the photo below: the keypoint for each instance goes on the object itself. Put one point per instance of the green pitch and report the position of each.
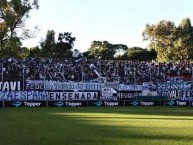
(96, 126)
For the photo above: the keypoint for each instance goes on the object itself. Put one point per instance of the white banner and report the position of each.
(123, 87)
(73, 96)
(108, 92)
(149, 93)
(23, 95)
(175, 85)
(10, 86)
(94, 86)
(72, 86)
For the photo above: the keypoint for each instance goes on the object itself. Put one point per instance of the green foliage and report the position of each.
(11, 48)
(13, 15)
(140, 54)
(184, 41)
(171, 43)
(64, 45)
(52, 49)
(35, 52)
(104, 49)
(120, 50)
(48, 45)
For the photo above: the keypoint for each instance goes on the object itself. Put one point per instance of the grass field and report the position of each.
(96, 126)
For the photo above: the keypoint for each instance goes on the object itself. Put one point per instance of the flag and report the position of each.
(76, 53)
(93, 67)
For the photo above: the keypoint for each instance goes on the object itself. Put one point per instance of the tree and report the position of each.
(35, 52)
(13, 46)
(103, 49)
(161, 37)
(120, 50)
(24, 52)
(139, 54)
(60, 49)
(170, 42)
(48, 45)
(13, 15)
(184, 41)
(64, 45)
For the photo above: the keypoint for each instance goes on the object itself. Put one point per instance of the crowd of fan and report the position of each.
(126, 72)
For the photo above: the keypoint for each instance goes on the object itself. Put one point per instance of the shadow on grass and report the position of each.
(92, 127)
(81, 126)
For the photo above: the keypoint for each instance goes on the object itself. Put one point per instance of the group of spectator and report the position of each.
(126, 72)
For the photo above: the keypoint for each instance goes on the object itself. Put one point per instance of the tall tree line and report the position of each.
(13, 15)
(171, 42)
(167, 42)
(51, 48)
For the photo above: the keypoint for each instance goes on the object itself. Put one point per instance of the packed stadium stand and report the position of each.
(125, 72)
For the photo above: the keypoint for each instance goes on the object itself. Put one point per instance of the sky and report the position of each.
(115, 21)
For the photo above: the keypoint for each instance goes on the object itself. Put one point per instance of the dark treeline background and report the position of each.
(167, 42)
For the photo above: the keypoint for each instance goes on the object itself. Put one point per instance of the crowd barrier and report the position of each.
(5, 104)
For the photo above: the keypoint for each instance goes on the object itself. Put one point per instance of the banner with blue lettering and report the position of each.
(177, 94)
(67, 103)
(54, 96)
(11, 86)
(73, 86)
(128, 95)
(175, 85)
(89, 86)
(106, 103)
(23, 95)
(178, 103)
(37, 85)
(25, 103)
(143, 103)
(123, 87)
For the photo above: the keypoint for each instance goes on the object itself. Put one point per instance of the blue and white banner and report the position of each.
(67, 104)
(177, 94)
(178, 103)
(143, 103)
(25, 103)
(23, 95)
(108, 92)
(174, 85)
(63, 86)
(34, 85)
(123, 87)
(128, 95)
(106, 103)
(149, 86)
(111, 85)
(10, 86)
(92, 86)
(53, 96)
